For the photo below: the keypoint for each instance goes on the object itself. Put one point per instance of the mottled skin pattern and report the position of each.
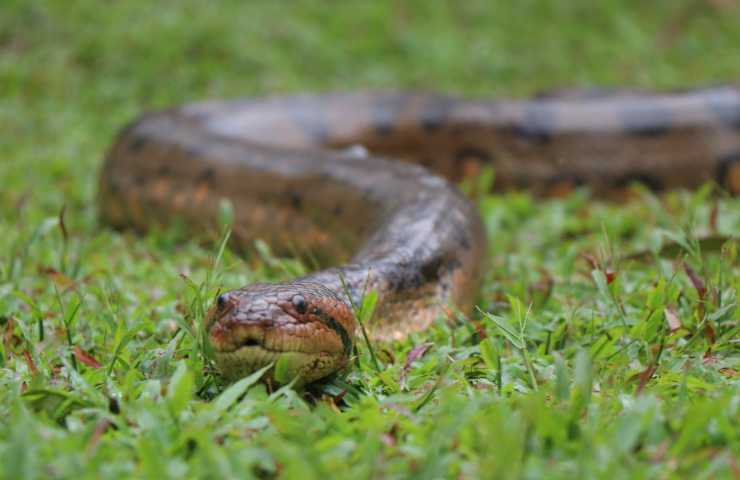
(297, 178)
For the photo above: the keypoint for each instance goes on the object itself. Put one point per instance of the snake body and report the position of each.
(298, 173)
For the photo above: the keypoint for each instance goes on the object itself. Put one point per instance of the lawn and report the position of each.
(613, 349)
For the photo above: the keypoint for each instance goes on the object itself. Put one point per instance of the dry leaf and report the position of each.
(85, 358)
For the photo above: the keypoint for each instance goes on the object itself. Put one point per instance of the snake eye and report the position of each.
(221, 301)
(299, 303)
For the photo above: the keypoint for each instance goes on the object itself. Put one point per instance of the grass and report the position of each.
(585, 359)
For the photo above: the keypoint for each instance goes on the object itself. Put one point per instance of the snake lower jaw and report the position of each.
(287, 366)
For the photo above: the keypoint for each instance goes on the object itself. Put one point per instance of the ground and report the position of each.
(608, 355)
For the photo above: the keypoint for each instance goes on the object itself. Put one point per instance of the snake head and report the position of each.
(304, 328)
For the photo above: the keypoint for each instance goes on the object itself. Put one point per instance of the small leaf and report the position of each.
(62, 226)
(719, 314)
(85, 358)
(582, 383)
(645, 377)
(488, 353)
(61, 280)
(680, 240)
(507, 331)
(416, 353)
(713, 214)
(225, 213)
(672, 319)
(518, 312)
(100, 428)
(600, 280)
(562, 378)
(368, 306)
(696, 280)
(610, 275)
(9, 333)
(29, 361)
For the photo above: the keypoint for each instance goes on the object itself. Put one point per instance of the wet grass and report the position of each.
(585, 360)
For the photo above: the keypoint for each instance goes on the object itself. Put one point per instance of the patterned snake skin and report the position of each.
(298, 173)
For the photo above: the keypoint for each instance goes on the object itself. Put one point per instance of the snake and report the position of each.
(367, 183)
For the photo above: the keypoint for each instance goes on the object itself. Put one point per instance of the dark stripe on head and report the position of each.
(330, 322)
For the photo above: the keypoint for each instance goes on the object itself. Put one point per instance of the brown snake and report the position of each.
(289, 168)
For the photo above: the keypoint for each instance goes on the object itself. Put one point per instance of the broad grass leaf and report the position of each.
(228, 397)
(180, 390)
(488, 353)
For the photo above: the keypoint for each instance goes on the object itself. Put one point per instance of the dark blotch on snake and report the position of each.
(295, 199)
(138, 144)
(645, 120)
(435, 114)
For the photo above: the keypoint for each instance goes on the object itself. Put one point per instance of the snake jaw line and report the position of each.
(303, 367)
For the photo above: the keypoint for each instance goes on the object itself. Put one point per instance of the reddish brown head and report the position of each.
(304, 328)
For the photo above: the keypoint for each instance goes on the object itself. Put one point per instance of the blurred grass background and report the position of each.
(74, 72)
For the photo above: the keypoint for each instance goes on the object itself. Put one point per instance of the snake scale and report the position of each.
(365, 182)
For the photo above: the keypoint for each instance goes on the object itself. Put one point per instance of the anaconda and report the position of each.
(365, 181)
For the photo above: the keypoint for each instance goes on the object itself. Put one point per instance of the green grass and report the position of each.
(573, 377)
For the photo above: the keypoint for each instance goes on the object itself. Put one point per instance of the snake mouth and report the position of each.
(287, 366)
(239, 350)
(250, 342)
(250, 339)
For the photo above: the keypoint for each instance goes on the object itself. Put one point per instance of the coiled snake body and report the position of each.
(293, 172)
